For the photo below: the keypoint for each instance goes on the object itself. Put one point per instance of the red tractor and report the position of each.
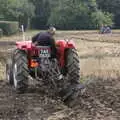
(33, 61)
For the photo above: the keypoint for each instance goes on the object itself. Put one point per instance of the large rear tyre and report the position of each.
(72, 68)
(20, 71)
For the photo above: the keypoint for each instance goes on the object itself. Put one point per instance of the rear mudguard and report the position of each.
(62, 46)
(24, 45)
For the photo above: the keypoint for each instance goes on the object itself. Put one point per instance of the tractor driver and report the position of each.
(46, 39)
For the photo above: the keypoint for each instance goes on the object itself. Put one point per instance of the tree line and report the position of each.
(63, 14)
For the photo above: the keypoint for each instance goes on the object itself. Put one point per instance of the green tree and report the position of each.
(78, 14)
(20, 10)
(99, 18)
(3, 7)
(111, 6)
(42, 13)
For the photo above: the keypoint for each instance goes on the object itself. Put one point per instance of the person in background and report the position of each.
(104, 29)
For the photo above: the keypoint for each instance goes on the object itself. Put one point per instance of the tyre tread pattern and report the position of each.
(73, 66)
(20, 58)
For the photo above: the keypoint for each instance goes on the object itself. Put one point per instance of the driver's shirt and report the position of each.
(45, 39)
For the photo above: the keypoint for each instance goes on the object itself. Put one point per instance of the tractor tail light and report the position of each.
(33, 64)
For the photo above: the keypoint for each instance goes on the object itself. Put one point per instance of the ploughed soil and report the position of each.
(100, 101)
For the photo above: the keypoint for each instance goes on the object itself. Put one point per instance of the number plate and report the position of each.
(44, 53)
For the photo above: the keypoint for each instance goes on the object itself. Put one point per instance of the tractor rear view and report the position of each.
(62, 74)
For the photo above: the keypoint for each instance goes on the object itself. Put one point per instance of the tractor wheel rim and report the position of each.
(14, 75)
(8, 77)
(7, 73)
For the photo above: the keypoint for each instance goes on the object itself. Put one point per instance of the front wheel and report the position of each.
(9, 72)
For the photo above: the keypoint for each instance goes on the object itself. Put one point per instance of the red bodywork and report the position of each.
(32, 50)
